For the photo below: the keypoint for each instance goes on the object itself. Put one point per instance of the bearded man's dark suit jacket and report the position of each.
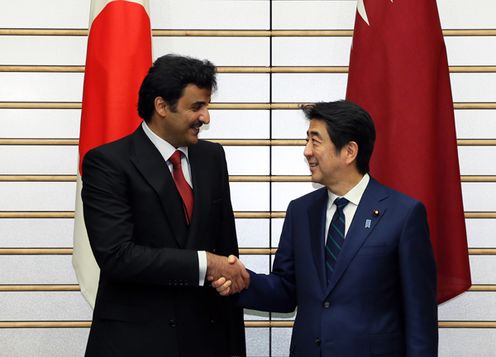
(382, 296)
(149, 301)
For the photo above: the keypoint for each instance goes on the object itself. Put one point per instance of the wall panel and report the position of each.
(250, 196)
(253, 55)
(480, 196)
(43, 50)
(37, 196)
(53, 342)
(482, 269)
(477, 160)
(55, 14)
(308, 51)
(41, 87)
(475, 124)
(248, 160)
(237, 124)
(473, 87)
(294, 15)
(308, 87)
(233, 87)
(475, 306)
(480, 233)
(466, 51)
(39, 123)
(467, 342)
(289, 124)
(41, 232)
(210, 14)
(253, 233)
(284, 192)
(44, 306)
(221, 51)
(36, 269)
(41, 160)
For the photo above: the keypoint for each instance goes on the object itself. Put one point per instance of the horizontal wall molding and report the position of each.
(229, 33)
(37, 214)
(75, 287)
(225, 142)
(248, 324)
(248, 106)
(232, 178)
(40, 287)
(63, 69)
(243, 251)
(242, 69)
(237, 214)
(37, 178)
(45, 324)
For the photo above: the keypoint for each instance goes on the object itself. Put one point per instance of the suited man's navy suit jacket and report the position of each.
(149, 302)
(381, 300)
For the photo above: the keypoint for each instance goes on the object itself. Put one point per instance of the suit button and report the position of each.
(172, 323)
(326, 304)
(317, 341)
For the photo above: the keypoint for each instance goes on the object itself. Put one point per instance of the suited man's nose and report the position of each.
(204, 117)
(307, 152)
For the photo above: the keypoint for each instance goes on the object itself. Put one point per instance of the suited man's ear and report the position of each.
(161, 106)
(351, 152)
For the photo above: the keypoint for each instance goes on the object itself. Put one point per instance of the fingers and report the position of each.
(222, 286)
(221, 282)
(227, 275)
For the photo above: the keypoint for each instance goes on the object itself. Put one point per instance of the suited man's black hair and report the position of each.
(168, 77)
(345, 122)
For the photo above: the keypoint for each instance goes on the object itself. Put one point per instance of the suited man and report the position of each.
(354, 257)
(159, 218)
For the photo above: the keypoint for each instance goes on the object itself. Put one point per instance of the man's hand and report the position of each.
(228, 274)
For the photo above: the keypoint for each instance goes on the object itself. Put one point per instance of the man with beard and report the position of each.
(158, 212)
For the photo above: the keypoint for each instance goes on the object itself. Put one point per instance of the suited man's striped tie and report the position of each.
(335, 236)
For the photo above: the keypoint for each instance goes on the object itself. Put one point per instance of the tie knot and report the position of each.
(175, 159)
(341, 202)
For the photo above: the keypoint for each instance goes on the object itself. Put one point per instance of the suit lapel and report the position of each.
(317, 220)
(199, 175)
(152, 166)
(361, 227)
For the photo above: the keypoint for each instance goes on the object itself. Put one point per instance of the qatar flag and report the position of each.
(399, 74)
(117, 60)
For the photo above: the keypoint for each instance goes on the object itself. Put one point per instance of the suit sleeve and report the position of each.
(109, 222)
(227, 242)
(277, 291)
(418, 279)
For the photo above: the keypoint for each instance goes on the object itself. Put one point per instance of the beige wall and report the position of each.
(41, 103)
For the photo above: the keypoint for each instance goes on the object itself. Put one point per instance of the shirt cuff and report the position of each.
(202, 264)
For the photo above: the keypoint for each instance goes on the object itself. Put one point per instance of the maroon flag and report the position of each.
(399, 74)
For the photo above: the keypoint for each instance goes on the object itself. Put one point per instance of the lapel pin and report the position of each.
(376, 213)
(367, 223)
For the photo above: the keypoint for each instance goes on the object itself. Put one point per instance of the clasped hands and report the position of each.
(227, 274)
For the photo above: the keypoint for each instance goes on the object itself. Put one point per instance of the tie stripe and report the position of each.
(335, 237)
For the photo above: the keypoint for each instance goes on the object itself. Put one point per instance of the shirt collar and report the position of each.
(164, 147)
(355, 194)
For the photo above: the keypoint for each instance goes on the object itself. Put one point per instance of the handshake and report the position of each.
(227, 274)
